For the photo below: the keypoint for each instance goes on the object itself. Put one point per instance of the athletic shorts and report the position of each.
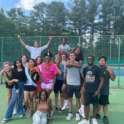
(89, 98)
(58, 86)
(9, 86)
(29, 88)
(46, 86)
(71, 89)
(103, 100)
(64, 82)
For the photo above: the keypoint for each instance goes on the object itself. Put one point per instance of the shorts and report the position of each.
(46, 86)
(9, 86)
(29, 88)
(71, 89)
(58, 86)
(103, 100)
(89, 98)
(64, 82)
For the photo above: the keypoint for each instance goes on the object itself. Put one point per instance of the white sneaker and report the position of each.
(65, 105)
(84, 122)
(14, 111)
(77, 117)
(69, 117)
(82, 113)
(4, 121)
(94, 121)
(20, 116)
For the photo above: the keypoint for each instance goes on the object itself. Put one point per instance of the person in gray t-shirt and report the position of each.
(104, 93)
(73, 85)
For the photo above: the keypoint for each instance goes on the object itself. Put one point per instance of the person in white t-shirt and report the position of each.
(63, 47)
(36, 50)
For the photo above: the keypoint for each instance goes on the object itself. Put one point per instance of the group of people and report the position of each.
(30, 82)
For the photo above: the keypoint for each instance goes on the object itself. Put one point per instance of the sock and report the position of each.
(82, 107)
(66, 101)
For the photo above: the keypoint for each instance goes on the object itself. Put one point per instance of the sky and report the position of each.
(26, 5)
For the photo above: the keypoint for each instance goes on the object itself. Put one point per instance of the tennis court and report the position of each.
(115, 114)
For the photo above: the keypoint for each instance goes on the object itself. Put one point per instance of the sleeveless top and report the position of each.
(9, 77)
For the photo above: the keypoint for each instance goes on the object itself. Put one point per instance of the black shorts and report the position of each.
(58, 86)
(71, 89)
(89, 98)
(29, 88)
(103, 100)
(64, 82)
(9, 86)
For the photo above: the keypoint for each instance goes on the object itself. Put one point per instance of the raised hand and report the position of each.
(50, 37)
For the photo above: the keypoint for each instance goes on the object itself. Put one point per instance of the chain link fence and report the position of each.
(111, 46)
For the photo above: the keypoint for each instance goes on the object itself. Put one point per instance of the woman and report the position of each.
(64, 57)
(59, 82)
(24, 60)
(19, 74)
(38, 61)
(48, 73)
(43, 105)
(32, 74)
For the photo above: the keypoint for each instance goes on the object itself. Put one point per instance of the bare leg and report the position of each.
(70, 104)
(26, 97)
(98, 110)
(31, 100)
(62, 99)
(105, 109)
(77, 104)
(94, 111)
(87, 109)
(56, 99)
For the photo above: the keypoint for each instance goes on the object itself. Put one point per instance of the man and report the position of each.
(63, 47)
(104, 93)
(36, 50)
(73, 85)
(93, 82)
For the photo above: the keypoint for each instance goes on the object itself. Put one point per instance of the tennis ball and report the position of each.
(18, 36)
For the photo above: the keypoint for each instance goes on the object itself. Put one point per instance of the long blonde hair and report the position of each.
(58, 57)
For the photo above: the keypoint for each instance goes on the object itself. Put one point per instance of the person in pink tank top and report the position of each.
(48, 75)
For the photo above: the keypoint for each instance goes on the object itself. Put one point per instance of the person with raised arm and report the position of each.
(35, 50)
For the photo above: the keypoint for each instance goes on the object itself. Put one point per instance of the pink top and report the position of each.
(48, 75)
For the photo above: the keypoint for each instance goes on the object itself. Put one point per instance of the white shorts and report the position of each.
(46, 86)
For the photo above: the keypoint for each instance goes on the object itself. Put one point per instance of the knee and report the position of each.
(56, 95)
(70, 99)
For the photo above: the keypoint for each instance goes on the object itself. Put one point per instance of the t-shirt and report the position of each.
(61, 68)
(105, 88)
(65, 48)
(73, 75)
(48, 75)
(35, 52)
(92, 78)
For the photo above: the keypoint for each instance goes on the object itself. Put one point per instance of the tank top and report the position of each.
(9, 77)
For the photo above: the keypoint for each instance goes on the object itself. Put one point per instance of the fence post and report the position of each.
(118, 61)
(79, 43)
(2, 49)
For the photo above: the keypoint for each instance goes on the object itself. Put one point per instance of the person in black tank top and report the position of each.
(8, 75)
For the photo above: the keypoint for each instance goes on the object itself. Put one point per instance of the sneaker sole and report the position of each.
(81, 113)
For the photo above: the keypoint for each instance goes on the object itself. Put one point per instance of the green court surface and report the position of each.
(115, 111)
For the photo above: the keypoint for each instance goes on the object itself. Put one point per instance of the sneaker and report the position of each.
(4, 121)
(77, 116)
(69, 117)
(60, 110)
(98, 116)
(82, 113)
(20, 116)
(65, 105)
(24, 107)
(27, 111)
(28, 114)
(105, 120)
(94, 121)
(84, 122)
(57, 109)
(14, 111)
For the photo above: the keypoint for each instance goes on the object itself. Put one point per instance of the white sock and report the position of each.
(82, 107)
(66, 101)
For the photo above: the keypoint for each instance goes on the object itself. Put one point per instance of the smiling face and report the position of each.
(90, 60)
(36, 44)
(24, 59)
(57, 61)
(18, 63)
(72, 56)
(38, 61)
(47, 58)
(63, 41)
(102, 62)
(43, 96)
(7, 67)
(77, 51)
(31, 63)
